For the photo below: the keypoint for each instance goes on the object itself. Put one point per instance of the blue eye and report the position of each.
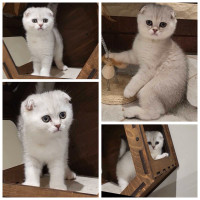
(46, 118)
(45, 20)
(149, 22)
(34, 20)
(62, 115)
(163, 24)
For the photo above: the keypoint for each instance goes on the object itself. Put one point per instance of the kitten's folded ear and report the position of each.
(29, 104)
(173, 14)
(67, 97)
(28, 12)
(50, 12)
(141, 11)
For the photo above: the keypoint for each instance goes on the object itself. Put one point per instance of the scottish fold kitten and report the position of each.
(160, 83)
(125, 168)
(43, 38)
(43, 128)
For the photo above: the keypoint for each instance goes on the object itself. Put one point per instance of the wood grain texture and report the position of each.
(120, 35)
(78, 25)
(13, 190)
(90, 69)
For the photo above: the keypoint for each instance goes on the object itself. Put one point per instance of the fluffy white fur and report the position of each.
(44, 40)
(125, 168)
(45, 142)
(160, 83)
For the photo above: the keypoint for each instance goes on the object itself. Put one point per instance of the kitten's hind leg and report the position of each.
(151, 107)
(58, 51)
(69, 174)
(122, 183)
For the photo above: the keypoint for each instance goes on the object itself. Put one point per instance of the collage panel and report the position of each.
(46, 138)
(149, 160)
(149, 63)
(50, 40)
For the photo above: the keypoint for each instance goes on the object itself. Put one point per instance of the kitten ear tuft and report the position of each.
(67, 97)
(29, 104)
(173, 14)
(143, 9)
(50, 13)
(27, 13)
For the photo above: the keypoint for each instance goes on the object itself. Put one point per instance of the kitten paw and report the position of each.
(65, 68)
(128, 113)
(58, 186)
(35, 74)
(30, 183)
(161, 156)
(165, 155)
(70, 175)
(128, 93)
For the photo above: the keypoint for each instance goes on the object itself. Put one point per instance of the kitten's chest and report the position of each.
(38, 45)
(46, 150)
(149, 53)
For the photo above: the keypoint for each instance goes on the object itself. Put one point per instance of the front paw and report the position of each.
(161, 156)
(31, 183)
(35, 74)
(165, 155)
(70, 175)
(65, 68)
(58, 186)
(128, 92)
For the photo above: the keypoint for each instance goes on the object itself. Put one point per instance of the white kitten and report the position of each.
(160, 83)
(43, 128)
(44, 40)
(125, 168)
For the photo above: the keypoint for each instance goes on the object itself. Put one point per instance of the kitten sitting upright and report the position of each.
(44, 40)
(160, 83)
(43, 128)
(125, 167)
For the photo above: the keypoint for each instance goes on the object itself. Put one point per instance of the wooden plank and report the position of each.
(90, 66)
(13, 190)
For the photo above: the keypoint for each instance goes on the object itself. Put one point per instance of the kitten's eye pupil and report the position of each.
(149, 143)
(46, 118)
(149, 22)
(163, 24)
(157, 143)
(34, 20)
(62, 115)
(45, 20)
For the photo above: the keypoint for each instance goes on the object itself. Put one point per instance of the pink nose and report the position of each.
(153, 147)
(155, 30)
(57, 126)
(40, 25)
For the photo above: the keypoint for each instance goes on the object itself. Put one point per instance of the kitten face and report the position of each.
(156, 22)
(38, 20)
(155, 140)
(48, 113)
